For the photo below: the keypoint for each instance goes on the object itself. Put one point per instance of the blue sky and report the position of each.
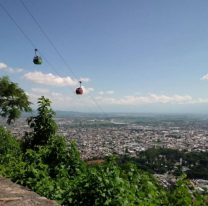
(132, 55)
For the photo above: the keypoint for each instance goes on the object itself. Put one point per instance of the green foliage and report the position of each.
(9, 147)
(43, 125)
(13, 100)
(107, 184)
(55, 170)
(164, 160)
(181, 194)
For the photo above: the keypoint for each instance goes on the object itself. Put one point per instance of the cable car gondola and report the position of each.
(37, 59)
(79, 90)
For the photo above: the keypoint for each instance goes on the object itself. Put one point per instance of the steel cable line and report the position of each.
(59, 53)
(67, 83)
(50, 65)
(44, 57)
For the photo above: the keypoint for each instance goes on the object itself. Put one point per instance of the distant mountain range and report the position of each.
(116, 114)
(61, 114)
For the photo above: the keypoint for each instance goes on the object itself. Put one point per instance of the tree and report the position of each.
(43, 125)
(13, 100)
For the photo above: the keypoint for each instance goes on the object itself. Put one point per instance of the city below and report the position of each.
(120, 134)
(128, 135)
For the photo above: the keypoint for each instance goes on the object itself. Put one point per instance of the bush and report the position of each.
(9, 147)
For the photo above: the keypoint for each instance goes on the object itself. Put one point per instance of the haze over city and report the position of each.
(132, 56)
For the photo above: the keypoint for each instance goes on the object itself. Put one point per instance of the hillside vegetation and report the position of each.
(164, 160)
(44, 162)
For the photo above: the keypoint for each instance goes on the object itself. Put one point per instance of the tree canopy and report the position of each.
(13, 100)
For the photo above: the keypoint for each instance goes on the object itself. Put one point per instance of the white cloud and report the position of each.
(150, 99)
(204, 77)
(199, 101)
(40, 90)
(202, 100)
(170, 99)
(84, 79)
(110, 92)
(20, 70)
(101, 93)
(87, 90)
(9, 69)
(49, 79)
(2, 65)
(70, 102)
(53, 97)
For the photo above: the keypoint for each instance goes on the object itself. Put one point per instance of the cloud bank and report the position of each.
(110, 92)
(9, 69)
(87, 90)
(84, 79)
(205, 77)
(63, 101)
(49, 79)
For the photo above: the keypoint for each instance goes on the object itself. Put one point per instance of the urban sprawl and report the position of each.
(125, 135)
(98, 138)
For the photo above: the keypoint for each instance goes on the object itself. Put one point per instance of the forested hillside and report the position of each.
(173, 161)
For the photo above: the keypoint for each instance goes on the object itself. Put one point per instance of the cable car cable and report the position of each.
(43, 56)
(47, 62)
(17, 25)
(67, 84)
(59, 53)
(48, 38)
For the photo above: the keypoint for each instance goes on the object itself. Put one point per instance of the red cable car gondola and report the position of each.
(79, 90)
